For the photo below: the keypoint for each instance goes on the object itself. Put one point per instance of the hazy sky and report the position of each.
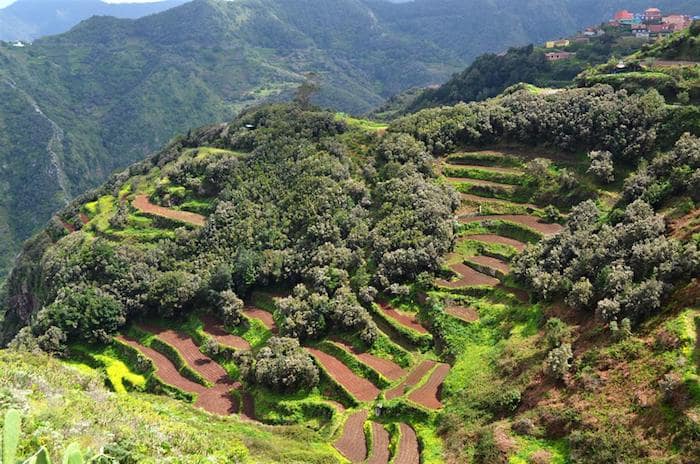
(4, 3)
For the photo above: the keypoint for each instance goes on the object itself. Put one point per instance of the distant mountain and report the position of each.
(28, 20)
(76, 106)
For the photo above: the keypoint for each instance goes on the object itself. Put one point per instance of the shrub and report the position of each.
(282, 365)
(602, 165)
(556, 332)
(558, 361)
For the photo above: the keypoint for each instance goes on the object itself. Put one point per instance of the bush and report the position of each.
(282, 365)
(602, 165)
(558, 361)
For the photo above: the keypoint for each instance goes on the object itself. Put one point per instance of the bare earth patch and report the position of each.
(263, 316)
(388, 369)
(532, 222)
(468, 277)
(463, 313)
(493, 263)
(142, 203)
(215, 328)
(360, 388)
(380, 445)
(407, 452)
(352, 443)
(428, 394)
(413, 378)
(406, 320)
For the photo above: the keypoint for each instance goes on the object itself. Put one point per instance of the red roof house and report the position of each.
(623, 15)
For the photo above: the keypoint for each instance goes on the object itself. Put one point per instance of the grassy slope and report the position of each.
(161, 429)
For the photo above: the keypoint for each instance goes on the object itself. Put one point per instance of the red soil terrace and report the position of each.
(532, 222)
(359, 387)
(407, 452)
(380, 445)
(406, 320)
(142, 203)
(215, 328)
(388, 369)
(352, 443)
(413, 378)
(428, 394)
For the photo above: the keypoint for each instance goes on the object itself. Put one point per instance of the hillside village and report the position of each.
(651, 24)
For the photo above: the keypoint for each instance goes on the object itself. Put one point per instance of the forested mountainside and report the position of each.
(27, 20)
(512, 280)
(74, 107)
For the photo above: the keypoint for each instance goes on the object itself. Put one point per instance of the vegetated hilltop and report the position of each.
(670, 66)
(473, 283)
(27, 20)
(77, 106)
(490, 74)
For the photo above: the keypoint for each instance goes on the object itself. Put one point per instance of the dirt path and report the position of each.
(532, 222)
(388, 369)
(468, 277)
(463, 313)
(493, 263)
(248, 406)
(380, 445)
(263, 316)
(360, 388)
(428, 394)
(215, 328)
(352, 443)
(143, 204)
(406, 320)
(407, 452)
(413, 378)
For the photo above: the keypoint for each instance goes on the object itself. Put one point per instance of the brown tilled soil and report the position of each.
(407, 452)
(405, 320)
(263, 316)
(142, 203)
(70, 228)
(413, 378)
(468, 277)
(493, 238)
(189, 350)
(380, 445)
(215, 328)
(388, 369)
(428, 394)
(359, 387)
(83, 218)
(684, 227)
(532, 222)
(493, 263)
(216, 400)
(165, 369)
(352, 443)
(462, 312)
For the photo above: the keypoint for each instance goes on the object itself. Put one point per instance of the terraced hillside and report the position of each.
(426, 292)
